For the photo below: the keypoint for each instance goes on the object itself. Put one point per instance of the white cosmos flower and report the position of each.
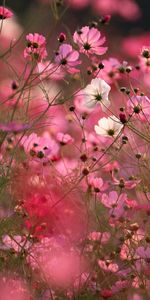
(96, 92)
(110, 126)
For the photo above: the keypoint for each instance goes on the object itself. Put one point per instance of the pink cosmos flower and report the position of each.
(139, 106)
(102, 237)
(89, 41)
(113, 199)
(36, 47)
(67, 58)
(123, 183)
(40, 148)
(112, 167)
(5, 13)
(110, 71)
(116, 203)
(66, 166)
(96, 183)
(108, 266)
(64, 139)
(127, 252)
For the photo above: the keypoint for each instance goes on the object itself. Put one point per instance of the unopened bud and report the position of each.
(62, 37)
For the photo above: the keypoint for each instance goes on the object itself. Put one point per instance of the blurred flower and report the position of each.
(40, 148)
(127, 9)
(64, 139)
(5, 13)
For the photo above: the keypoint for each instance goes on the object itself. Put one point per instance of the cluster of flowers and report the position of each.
(74, 169)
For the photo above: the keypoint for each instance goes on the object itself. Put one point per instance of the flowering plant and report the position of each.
(74, 157)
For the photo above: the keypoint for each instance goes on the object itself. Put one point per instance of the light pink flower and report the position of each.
(89, 41)
(108, 266)
(110, 71)
(124, 183)
(67, 166)
(36, 47)
(67, 58)
(112, 199)
(64, 138)
(40, 148)
(102, 237)
(115, 202)
(96, 183)
(111, 167)
(127, 252)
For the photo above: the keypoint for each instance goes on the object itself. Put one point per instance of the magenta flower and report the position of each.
(36, 47)
(68, 58)
(143, 252)
(5, 13)
(89, 41)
